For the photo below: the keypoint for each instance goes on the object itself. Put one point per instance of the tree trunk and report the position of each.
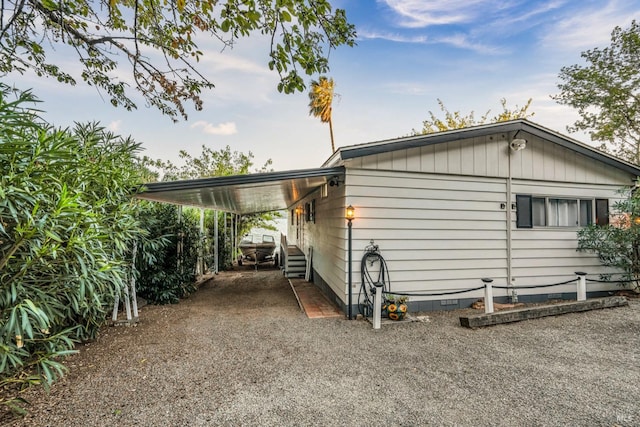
(333, 146)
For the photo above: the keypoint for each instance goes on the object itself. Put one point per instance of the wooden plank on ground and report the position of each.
(481, 320)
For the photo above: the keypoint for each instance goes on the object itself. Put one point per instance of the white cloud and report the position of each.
(394, 37)
(227, 61)
(515, 18)
(459, 40)
(240, 74)
(420, 13)
(589, 28)
(114, 126)
(227, 128)
(463, 42)
(538, 10)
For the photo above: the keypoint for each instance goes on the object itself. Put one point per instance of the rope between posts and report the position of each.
(534, 286)
(610, 281)
(434, 294)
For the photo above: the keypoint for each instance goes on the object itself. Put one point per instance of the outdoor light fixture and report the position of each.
(350, 215)
(518, 144)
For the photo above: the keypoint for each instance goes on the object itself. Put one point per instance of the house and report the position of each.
(502, 201)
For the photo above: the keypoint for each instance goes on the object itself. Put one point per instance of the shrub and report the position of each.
(164, 275)
(66, 227)
(617, 244)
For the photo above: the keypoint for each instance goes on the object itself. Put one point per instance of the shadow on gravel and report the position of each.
(245, 291)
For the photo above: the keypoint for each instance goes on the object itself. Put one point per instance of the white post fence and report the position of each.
(377, 306)
(581, 284)
(581, 291)
(488, 295)
(581, 295)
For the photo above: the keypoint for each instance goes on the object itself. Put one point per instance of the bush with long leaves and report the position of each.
(164, 275)
(617, 244)
(66, 227)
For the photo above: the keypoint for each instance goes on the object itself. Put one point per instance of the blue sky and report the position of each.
(468, 53)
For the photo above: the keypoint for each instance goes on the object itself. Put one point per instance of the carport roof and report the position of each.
(242, 194)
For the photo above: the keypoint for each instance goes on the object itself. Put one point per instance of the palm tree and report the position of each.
(320, 100)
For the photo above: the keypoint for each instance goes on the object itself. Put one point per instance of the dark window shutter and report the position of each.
(602, 211)
(524, 214)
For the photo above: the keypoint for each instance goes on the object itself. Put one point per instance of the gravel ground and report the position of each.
(207, 361)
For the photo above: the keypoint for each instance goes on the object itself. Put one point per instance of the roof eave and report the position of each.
(363, 150)
(156, 187)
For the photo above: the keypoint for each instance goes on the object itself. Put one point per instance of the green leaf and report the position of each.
(285, 16)
(25, 325)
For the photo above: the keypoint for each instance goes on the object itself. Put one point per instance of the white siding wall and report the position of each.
(489, 156)
(477, 156)
(327, 236)
(545, 161)
(436, 232)
(435, 213)
(547, 254)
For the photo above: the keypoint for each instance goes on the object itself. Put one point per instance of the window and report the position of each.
(310, 209)
(559, 212)
(602, 211)
(324, 190)
(586, 211)
(539, 212)
(563, 213)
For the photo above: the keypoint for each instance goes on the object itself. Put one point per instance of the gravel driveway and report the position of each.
(239, 352)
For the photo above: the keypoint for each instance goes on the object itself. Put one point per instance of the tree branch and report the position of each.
(17, 13)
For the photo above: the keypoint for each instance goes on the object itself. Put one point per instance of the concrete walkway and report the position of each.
(314, 304)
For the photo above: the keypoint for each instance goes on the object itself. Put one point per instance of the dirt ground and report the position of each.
(240, 352)
(104, 369)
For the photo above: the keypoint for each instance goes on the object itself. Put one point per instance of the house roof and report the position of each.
(512, 126)
(262, 192)
(242, 194)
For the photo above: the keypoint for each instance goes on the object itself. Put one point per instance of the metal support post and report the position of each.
(216, 246)
(350, 273)
(200, 263)
(180, 241)
(236, 240)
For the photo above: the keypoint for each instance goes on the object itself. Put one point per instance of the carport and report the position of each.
(248, 194)
(242, 194)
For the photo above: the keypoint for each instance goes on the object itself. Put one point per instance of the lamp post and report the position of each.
(350, 215)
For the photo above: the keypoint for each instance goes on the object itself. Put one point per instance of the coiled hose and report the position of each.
(372, 260)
